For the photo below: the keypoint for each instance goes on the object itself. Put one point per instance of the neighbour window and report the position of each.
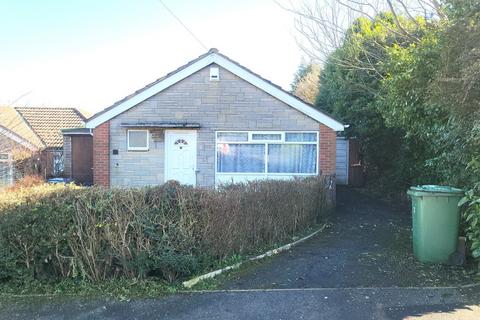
(57, 163)
(137, 140)
(267, 152)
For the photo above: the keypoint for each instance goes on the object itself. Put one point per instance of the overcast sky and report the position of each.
(91, 53)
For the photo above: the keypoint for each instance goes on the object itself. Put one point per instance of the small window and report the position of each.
(300, 137)
(232, 136)
(266, 136)
(137, 140)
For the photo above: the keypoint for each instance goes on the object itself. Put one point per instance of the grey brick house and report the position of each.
(209, 122)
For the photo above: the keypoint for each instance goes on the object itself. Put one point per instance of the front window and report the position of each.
(246, 158)
(267, 152)
(137, 140)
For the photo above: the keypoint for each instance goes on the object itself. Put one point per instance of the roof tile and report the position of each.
(48, 122)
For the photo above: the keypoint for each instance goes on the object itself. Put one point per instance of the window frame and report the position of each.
(129, 148)
(265, 172)
(7, 159)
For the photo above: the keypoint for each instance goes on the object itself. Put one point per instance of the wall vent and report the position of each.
(214, 74)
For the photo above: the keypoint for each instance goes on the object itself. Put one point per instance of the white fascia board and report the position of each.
(279, 94)
(230, 66)
(147, 93)
(7, 133)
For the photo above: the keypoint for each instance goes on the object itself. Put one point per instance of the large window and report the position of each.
(267, 152)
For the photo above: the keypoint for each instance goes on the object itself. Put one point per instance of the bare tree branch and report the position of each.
(323, 24)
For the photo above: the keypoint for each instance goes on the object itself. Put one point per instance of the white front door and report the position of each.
(181, 156)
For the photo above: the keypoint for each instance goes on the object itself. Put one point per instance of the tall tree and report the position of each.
(305, 84)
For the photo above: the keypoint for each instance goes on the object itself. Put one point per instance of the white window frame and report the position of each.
(5, 159)
(129, 148)
(265, 173)
(8, 160)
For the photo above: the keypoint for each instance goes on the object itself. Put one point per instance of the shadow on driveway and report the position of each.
(368, 244)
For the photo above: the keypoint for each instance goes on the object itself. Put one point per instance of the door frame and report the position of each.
(168, 135)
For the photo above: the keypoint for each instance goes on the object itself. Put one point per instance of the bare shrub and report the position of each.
(27, 182)
(169, 231)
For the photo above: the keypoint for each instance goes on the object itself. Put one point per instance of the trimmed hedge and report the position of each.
(170, 231)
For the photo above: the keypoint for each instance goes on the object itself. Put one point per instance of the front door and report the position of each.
(181, 156)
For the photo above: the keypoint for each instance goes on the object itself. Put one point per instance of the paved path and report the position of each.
(359, 268)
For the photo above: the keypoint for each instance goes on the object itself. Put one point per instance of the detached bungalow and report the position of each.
(210, 121)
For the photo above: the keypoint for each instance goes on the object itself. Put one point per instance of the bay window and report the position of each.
(267, 153)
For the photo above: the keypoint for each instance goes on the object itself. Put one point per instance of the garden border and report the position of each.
(190, 283)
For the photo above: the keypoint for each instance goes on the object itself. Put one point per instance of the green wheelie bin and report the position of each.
(436, 218)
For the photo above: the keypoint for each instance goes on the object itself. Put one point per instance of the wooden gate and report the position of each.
(356, 172)
(82, 159)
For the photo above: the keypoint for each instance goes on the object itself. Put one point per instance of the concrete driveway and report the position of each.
(367, 245)
(361, 267)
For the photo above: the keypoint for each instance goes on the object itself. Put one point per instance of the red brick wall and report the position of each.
(328, 148)
(101, 155)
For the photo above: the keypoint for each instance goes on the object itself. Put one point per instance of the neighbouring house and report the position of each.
(209, 122)
(31, 141)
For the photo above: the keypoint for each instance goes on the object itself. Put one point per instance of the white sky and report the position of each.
(88, 55)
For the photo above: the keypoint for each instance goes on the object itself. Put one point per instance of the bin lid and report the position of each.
(430, 189)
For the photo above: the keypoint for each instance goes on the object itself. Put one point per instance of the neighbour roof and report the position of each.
(11, 121)
(40, 126)
(213, 56)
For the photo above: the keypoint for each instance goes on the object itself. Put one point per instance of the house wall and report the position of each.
(101, 152)
(229, 104)
(328, 145)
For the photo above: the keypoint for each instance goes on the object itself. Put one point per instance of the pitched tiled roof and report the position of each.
(47, 123)
(211, 51)
(40, 127)
(11, 120)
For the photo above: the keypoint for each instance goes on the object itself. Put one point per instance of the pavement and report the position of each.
(361, 267)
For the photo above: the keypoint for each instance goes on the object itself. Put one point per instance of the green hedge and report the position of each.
(169, 231)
